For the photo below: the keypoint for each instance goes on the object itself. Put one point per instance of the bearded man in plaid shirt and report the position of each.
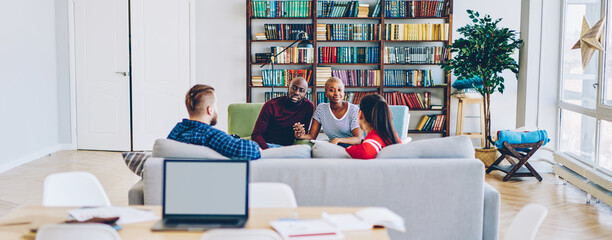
(201, 104)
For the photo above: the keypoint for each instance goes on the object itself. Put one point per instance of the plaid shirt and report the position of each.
(199, 133)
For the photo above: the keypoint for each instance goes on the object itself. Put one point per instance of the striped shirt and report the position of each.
(368, 148)
(200, 133)
(334, 127)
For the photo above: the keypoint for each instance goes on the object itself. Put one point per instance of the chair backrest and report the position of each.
(89, 231)
(401, 119)
(241, 118)
(240, 234)
(74, 189)
(526, 223)
(271, 195)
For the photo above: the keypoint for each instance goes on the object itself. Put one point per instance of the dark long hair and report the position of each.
(377, 113)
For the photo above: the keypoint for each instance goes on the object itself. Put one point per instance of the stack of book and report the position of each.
(412, 100)
(321, 31)
(262, 57)
(323, 73)
(358, 78)
(257, 81)
(432, 123)
(409, 77)
(260, 36)
(416, 32)
(414, 55)
(364, 9)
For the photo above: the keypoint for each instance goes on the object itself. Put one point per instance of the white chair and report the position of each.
(526, 223)
(240, 234)
(271, 195)
(74, 189)
(89, 231)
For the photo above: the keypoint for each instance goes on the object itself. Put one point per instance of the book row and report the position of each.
(342, 9)
(348, 32)
(408, 77)
(279, 77)
(281, 8)
(350, 78)
(349, 54)
(417, 8)
(416, 55)
(269, 95)
(412, 100)
(416, 32)
(432, 123)
(291, 55)
(352, 97)
(285, 31)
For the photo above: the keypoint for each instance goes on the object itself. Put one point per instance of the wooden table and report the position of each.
(258, 219)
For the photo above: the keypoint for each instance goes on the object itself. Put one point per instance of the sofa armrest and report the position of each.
(135, 194)
(491, 213)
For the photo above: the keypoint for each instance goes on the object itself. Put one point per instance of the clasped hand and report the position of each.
(299, 130)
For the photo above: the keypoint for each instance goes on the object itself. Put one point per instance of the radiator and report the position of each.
(590, 178)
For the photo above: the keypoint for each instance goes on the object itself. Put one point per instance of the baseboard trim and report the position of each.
(31, 157)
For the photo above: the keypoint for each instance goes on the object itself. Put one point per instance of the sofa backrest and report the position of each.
(430, 194)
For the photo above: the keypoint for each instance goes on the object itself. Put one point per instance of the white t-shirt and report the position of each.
(334, 127)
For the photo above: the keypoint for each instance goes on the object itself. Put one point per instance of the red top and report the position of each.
(276, 119)
(368, 148)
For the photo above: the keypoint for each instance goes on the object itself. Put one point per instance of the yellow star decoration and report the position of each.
(590, 38)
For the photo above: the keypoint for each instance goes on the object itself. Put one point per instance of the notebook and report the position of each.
(203, 194)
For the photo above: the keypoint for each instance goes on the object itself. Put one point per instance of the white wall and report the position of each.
(503, 107)
(28, 92)
(63, 70)
(221, 52)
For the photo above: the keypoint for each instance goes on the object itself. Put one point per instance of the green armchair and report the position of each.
(241, 118)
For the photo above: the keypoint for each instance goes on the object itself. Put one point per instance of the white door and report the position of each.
(162, 66)
(101, 57)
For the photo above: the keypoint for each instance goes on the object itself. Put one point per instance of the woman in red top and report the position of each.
(375, 119)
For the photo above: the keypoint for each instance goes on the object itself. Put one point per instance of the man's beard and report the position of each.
(213, 121)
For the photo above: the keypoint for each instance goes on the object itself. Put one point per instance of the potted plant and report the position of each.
(485, 51)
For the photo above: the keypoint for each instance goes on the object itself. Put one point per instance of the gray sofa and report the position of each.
(436, 185)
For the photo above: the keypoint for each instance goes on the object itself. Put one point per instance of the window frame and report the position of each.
(601, 110)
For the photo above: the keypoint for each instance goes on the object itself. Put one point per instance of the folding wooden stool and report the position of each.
(522, 152)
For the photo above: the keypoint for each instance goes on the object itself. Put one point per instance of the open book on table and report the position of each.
(366, 219)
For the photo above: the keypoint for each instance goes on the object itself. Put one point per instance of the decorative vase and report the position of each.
(487, 156)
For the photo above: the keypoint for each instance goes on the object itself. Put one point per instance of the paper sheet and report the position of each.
(126, 215)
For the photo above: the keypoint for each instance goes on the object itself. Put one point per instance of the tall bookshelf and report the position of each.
(439, 88)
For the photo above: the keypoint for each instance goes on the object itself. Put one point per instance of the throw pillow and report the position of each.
(135, 161)
(328, 150)
(448, 147)
(293, 151)
(168, 148)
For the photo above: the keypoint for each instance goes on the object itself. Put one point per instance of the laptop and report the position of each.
(203, 194)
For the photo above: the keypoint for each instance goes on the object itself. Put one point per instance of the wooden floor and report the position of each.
(568, 217)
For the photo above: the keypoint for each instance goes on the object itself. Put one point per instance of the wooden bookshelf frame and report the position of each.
(381, 65)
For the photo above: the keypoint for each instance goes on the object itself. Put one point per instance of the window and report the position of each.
(585, 128)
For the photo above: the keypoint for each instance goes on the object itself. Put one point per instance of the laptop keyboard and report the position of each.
(202, 221)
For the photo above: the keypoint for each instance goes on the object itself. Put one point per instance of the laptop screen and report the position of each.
(205, 187)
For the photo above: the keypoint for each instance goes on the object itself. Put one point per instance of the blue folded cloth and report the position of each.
(464, 83)
(521, 137)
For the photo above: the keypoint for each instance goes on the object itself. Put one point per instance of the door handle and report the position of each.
(123, 73)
